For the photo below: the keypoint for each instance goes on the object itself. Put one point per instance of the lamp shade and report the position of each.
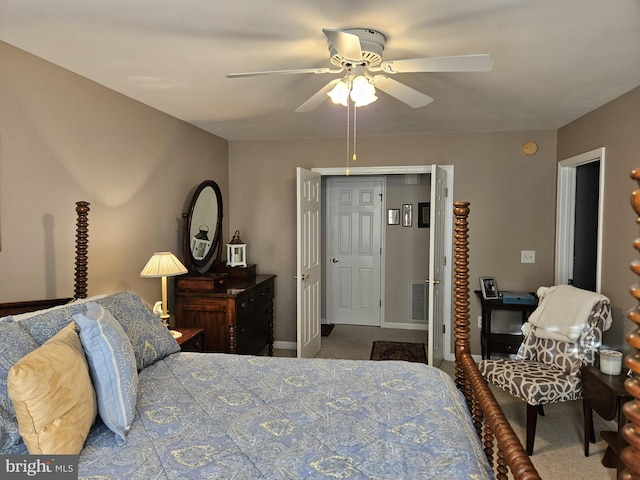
(163, 264)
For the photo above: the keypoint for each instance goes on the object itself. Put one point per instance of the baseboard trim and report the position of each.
(285, 345)
(405, 326)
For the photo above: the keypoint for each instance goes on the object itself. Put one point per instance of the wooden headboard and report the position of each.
(80, 277)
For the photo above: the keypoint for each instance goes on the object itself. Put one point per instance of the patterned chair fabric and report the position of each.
(546, 370)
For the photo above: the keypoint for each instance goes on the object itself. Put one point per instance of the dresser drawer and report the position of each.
(238, 320)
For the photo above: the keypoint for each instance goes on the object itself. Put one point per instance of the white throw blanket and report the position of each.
(562, 312)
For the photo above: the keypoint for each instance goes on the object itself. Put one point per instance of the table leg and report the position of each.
(589, 434)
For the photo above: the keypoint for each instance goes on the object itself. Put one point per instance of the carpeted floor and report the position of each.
(409, 352)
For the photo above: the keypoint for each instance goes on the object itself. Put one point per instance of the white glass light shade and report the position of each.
(362, 92)
(340, 93)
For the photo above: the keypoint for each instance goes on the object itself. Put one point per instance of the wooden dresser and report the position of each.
(237, 318)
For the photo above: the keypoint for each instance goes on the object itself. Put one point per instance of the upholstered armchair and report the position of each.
(561, 335)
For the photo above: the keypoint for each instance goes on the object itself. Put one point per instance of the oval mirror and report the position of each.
(202, 247)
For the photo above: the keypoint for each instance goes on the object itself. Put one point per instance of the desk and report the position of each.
(500, 342)
(605, 394)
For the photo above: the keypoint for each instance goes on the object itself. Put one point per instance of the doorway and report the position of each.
(579, 219)
(442, 176)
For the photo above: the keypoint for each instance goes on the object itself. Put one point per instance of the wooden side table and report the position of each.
(192, 339)
(500, 342)
(605, 394)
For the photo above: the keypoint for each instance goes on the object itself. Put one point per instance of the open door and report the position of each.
(436, 265)
(308, 268)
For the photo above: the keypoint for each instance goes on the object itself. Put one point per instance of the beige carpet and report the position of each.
(558, 452)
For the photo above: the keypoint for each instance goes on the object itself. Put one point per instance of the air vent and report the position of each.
(418, 306)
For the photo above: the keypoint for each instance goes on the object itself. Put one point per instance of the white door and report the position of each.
(437, 265)
(308, 269)
(353, 262)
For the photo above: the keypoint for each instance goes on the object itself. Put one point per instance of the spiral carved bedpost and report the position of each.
(461, 288)
(82, 242)
(631, 432)
(487, 416)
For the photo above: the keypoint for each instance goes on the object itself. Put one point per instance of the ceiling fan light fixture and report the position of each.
(339, 94)
(362, 91)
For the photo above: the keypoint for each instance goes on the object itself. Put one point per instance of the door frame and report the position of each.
(565, 214)
(449, 354)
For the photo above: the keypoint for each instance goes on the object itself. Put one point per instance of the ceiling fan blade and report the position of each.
(400, 91)
(347, 44)
(283, 72)
(459, 63)
(317, 98)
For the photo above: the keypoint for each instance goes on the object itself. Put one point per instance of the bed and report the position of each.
(161, 413)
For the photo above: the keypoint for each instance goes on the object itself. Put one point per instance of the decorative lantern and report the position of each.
(200, 243)
(236, 251)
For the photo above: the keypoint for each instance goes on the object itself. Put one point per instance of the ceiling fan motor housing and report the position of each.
(372, 44)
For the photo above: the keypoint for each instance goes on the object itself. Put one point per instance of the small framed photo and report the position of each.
(393, 216)
(489, 288)
(424, 215)
(407, 215)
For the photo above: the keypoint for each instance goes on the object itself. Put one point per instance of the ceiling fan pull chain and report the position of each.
(355, 127)
(348, 132)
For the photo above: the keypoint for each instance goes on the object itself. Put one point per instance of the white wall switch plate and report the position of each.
(479, 321)
(528, 256)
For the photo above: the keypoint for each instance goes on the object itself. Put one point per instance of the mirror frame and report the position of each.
(211, 260)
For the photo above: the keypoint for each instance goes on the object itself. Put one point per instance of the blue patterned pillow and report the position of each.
(44, 324)
(150, 339)
(112, 365)
(16, 343)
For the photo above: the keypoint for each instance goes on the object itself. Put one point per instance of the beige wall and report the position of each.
(512, 202)
(615, 126)
(65, 139)
(407, 248)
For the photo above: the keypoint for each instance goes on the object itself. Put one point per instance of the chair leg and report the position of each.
(532, 420)
(541, 410)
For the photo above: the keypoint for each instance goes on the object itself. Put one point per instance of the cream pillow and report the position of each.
(53, 396)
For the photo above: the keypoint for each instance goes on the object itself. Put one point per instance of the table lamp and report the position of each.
(163, 264)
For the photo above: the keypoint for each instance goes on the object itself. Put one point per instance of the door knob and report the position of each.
(304, 277)
(435, 282)
(335, 260)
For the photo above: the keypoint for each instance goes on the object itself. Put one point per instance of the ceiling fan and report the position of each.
(358, 51)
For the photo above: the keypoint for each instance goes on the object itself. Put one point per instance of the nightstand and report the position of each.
(605, 394)
(500, 342)
(192, 339)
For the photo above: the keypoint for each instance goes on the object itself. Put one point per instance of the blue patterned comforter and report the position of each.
(204, 416)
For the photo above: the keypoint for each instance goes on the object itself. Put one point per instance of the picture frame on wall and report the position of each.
(393, 216)
(424, 215)
(407, 215)
(489, 288)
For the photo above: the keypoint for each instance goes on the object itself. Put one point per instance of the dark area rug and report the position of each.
(409, 352)
(326, 328)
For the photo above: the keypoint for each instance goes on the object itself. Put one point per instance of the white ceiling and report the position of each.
(554, 60)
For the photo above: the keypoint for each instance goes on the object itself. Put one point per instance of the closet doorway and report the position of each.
(440, 246)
